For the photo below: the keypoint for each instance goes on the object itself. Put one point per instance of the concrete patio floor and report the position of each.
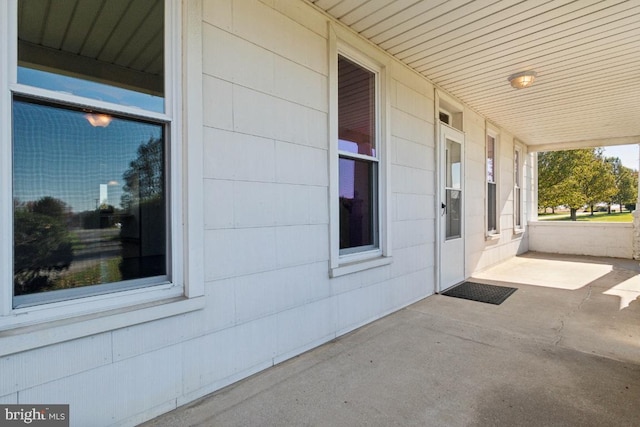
(563, 350)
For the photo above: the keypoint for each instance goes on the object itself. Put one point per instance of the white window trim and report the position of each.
(343, 42)
(37, 326)
(495, 134)
(518, 173)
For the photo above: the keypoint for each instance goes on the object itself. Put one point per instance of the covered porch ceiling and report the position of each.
(586, 54)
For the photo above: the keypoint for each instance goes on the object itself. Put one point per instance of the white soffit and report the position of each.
(586, 54)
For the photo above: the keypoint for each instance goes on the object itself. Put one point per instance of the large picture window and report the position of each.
(90, 150)
(358, 157)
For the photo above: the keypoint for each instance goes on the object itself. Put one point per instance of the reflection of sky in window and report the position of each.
(89, 89)
(354, 147)
(347, 169)
(453, 153)
(348, 146)
(347, 177)
(453, 173)
(456, 173)
(57, 153)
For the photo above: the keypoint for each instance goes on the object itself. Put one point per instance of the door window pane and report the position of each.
(90, 198)
(454, 164)
(357, 203)
(453, 216)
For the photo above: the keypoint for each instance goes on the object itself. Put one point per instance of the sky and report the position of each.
(89, 89)
(58, 153)
(628, 154)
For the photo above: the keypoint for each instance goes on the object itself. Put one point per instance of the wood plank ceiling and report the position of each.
(586, 54)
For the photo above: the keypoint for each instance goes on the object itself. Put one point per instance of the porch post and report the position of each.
(636, 218)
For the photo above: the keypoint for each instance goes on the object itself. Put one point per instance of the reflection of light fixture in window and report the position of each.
(98, 120)
(523, 79)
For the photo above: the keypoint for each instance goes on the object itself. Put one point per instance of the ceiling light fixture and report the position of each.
(523, 79)
(98, 120)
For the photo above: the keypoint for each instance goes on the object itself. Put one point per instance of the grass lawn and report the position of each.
(586, 216)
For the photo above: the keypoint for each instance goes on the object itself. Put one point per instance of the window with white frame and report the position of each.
(358, 163)
(359, 228)
(492, 202)
(91, 151)
(517, 190)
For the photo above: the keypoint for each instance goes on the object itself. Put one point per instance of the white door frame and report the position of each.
(451, 252)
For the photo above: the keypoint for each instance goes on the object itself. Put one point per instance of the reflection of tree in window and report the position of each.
(143, 231)
(42, 244)
(144, 180)
(69, 170)
(106, 169)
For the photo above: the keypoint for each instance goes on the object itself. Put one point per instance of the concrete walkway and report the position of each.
(563, 350)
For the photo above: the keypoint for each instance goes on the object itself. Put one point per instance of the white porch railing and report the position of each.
(604, 239)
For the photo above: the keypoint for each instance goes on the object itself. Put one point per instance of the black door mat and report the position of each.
(480, 292)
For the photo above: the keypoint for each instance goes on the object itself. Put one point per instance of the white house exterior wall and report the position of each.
(483, 251)
(265, 227)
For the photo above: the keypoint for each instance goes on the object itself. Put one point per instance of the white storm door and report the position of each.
(451, 207)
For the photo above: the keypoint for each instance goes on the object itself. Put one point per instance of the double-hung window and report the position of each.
(492, 202)
(358, 162)
(358, 227)
(90, 150)
(517, 190)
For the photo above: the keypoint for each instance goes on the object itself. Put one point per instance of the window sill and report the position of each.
(491, 237)
(354, 267)
(30, 337)
(518, 231)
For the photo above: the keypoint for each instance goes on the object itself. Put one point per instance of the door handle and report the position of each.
(444, 208)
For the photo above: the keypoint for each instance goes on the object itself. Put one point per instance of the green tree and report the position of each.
(598, 183)
(550, 175)
(558, 183)
(628, 190)
(573, 178)
(626, 183)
